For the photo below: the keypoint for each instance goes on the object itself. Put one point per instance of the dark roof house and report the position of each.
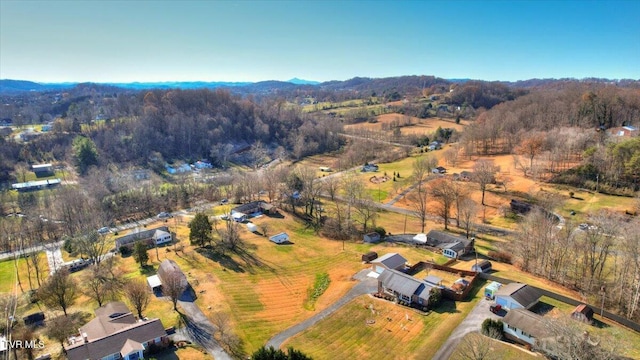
(517, 295)
(139, 235)
(254, 207)
(404, 287)
(452, 246)
(483, 266)
(116, 334)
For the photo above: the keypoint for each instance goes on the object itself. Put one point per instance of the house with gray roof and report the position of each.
(452, 246)
(155, 236)
(390, 261)
(524, 326)
(404, 287)
(517, 296)
(115, 334)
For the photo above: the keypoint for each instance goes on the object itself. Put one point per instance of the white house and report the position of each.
(161, 237)
(420, 238)
(280, 238)
(523, 326)
(238, 216)
(517, 296)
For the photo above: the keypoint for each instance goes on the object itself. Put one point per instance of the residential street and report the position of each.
(473, 322)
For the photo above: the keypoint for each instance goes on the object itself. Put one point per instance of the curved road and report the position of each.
(366, 286)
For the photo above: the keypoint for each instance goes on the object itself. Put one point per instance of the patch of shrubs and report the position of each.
(501, 256)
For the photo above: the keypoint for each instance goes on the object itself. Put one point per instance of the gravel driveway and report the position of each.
(473, 322)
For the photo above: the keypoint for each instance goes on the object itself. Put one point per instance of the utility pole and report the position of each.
(603, 292)
(404, 232)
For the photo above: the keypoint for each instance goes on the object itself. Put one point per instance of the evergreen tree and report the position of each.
(140, 253)
(200, 230)
(85, 152)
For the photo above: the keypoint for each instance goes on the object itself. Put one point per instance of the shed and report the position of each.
(371, 255)
(35, 319)
(483, 266)
(371, 237)
(583, 313)
(154, 282)
(42, 169)
(252, 227)
(280, 238)
(491, 289)
(161, 237)
(169, 270)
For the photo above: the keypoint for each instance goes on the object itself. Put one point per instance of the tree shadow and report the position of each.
(446, 306)
(599, 324)
(147, 270)
(542, 308)
(201, 333)
(224, 260)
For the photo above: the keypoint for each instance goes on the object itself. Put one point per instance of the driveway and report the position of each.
(54, 256)
(366, 285)
(200, 330)
(473, 322)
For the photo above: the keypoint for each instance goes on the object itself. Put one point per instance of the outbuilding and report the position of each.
(483, 266)
(583, 313)
(371, 255)
(252, 227)
(238, 216)
(280, 238)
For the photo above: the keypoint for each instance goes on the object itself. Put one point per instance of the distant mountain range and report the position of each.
(16, 86)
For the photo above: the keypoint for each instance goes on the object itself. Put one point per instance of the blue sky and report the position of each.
(122, 41)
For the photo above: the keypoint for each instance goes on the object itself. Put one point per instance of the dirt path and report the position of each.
(473, 322)
(366, 286)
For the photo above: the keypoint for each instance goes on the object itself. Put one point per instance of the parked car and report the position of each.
(103, 230)
(495, 308)
(164, 215)
(583, 226)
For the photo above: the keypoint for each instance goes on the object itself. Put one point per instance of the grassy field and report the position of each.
(367, 327)
(499, 350)
(417, 125)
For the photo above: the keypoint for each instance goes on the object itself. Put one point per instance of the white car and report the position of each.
(164, 215)
(103, 230)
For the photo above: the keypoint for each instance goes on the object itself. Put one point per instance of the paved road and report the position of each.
(54, 256)
(365, 286)
(200, 330)
(473, 322)
(27, 250)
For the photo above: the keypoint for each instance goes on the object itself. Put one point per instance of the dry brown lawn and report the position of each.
(418, 126)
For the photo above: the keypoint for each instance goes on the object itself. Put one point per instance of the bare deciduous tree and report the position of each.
(467, 211)
(59, 292)
(484, 173)
(173, 287)
(137, 292)
(444, 191)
